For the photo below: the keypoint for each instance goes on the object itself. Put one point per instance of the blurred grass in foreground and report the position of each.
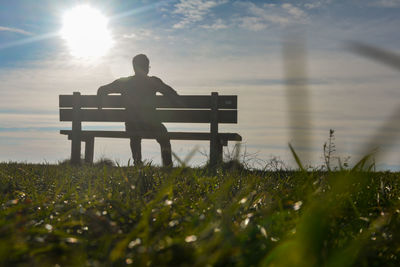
(113, 216)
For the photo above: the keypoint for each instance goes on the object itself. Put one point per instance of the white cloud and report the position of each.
(253, 23)
(294, 11)
(16, 30)
(261, 17)
(386, 3)
(312, 5)
(141, 34)
(317, 4)
(194, 10)
(217, 25)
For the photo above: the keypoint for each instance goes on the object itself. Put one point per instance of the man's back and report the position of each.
(139, 94)
(139, 91)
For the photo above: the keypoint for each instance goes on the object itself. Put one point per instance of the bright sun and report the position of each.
(86, 33)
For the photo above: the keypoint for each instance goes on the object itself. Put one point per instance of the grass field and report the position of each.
(59, 215)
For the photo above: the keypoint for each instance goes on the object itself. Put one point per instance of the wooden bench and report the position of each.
(212, 109)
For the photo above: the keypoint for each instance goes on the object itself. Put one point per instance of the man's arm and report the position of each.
(111, 88)
(116, 87)
(163, 88)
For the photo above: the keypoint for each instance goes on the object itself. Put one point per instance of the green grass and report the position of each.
(116, 216)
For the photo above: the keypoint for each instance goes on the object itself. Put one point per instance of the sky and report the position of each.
(201, 46)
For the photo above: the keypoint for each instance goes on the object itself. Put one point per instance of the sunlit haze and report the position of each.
(233, 47)
(85, 32)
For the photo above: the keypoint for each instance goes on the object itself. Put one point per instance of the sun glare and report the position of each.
(85, 32)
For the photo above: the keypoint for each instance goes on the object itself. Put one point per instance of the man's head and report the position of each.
(140, 64)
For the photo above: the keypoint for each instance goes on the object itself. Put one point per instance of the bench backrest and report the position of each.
(184, 109)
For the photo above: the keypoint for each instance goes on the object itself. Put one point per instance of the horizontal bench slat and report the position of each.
(150, 135)
(185, 116)
(187, 101)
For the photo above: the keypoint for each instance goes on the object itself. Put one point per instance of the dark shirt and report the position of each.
(139, 94)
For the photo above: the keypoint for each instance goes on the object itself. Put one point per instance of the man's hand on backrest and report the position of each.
(99, 98)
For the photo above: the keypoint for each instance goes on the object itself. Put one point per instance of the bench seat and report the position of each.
(89, 136)
(148, 135)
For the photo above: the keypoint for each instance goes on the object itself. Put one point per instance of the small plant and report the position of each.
(105, 162)
(239, 156)
(329, 149)
(276, 164)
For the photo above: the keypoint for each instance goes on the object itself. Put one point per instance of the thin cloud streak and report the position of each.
(386, 3)
(33, 39)
(16, 30)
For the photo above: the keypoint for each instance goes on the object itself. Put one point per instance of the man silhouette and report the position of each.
(139, 93)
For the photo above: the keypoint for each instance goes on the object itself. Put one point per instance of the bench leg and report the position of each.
(75, 150)
(219, 153)
(213, 153)
(89, 150)
(216, 152)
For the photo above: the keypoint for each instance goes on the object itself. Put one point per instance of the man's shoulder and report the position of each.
(125, 79)
(155, 79)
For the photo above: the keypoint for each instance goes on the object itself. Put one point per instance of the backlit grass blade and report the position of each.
(296, 157)
(378, 54)
(392, 123)
(297, 93)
